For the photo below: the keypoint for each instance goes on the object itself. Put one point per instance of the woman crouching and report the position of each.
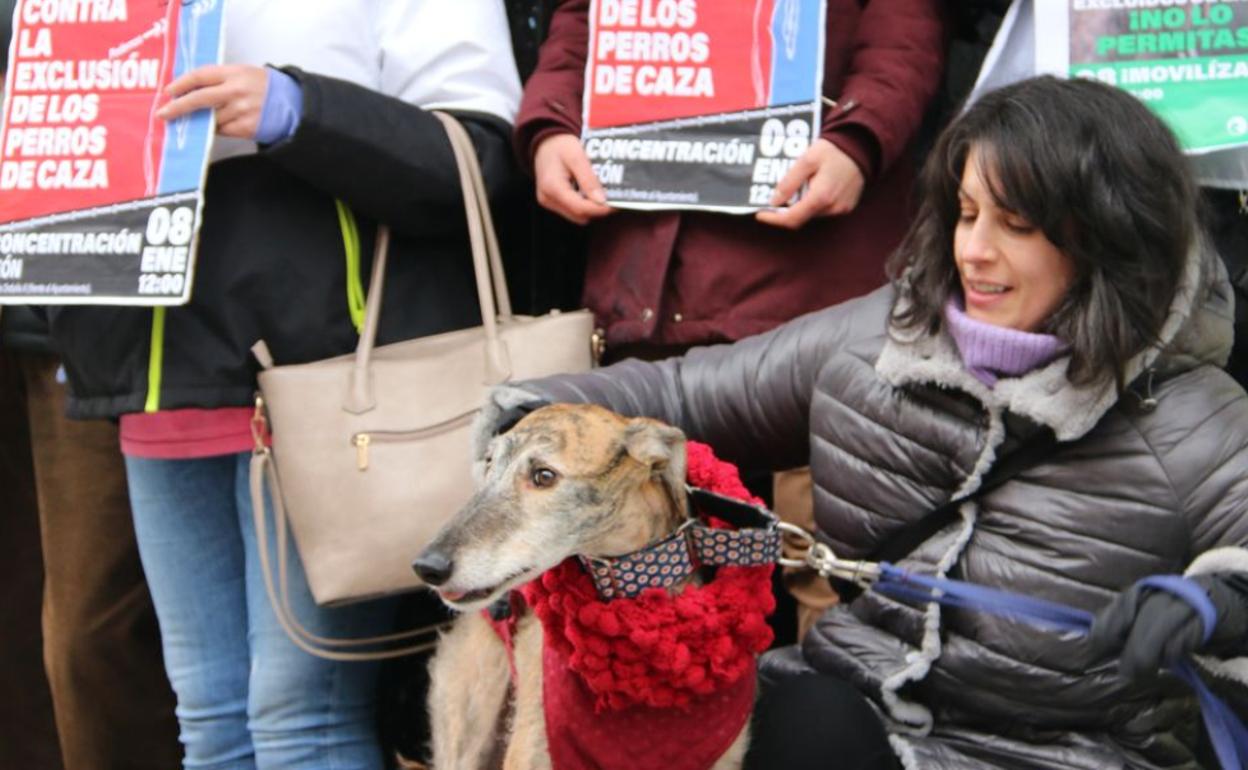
(1055, 285)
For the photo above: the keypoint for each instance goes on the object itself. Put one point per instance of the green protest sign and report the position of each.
(1186, 59)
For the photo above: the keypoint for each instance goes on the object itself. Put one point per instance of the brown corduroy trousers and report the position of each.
(64, 488)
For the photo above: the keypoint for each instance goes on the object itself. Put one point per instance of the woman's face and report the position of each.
(1012, 275)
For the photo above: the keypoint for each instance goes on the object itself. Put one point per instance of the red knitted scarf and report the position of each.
(658, 649)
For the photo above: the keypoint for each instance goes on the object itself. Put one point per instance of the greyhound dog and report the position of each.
(566, 480)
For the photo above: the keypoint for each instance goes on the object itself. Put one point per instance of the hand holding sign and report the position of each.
(235, 91)
(835, 185)
(566, 183)
(682, 95)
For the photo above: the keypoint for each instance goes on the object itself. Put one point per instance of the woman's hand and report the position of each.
(566, 183)
(235, 91)
(1151, 628)
(835, 185)
(505, 406)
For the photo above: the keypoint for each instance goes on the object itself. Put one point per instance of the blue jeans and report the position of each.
(247, 697)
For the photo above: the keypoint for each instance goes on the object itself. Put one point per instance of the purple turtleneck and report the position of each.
(991, 352)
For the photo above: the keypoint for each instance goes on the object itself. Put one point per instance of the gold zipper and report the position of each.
(361, 441)
(364, 439)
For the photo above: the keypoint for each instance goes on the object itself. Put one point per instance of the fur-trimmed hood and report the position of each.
(1198, 330)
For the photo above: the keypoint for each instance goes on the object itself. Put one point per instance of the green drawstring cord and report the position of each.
(155, 360)
(351, 243)
(355, 306)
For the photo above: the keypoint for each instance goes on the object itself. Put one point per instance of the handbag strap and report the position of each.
(1034, 448)
(360, 394)
(462, 147)
(487, 263)
(262, 470)
(491, 282)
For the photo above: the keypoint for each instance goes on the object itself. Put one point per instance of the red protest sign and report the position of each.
(99, 198)
(653, 60)
(696, 104)
(79, 107)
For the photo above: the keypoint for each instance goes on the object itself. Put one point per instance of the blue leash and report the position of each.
(1227, 733)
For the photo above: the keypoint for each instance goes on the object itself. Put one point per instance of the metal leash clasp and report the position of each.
(822, 559)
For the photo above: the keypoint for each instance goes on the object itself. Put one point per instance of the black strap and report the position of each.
(738, 513)
(1033, 449)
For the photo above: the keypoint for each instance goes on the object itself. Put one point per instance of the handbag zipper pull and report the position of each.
(259, 427)
(361, 441)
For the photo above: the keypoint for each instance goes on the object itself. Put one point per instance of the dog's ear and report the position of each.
(662, 448)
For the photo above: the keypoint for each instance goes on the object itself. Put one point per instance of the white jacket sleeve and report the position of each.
(448, 54)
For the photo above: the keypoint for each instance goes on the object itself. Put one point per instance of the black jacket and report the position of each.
(271, 262)
(25, 328)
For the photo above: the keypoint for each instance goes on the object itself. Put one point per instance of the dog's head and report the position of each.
(568, 479)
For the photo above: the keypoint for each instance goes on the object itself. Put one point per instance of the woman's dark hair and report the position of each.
(1105, 181)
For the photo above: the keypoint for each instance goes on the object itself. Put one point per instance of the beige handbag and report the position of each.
(370, 452)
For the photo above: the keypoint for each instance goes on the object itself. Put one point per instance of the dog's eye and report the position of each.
(543, 477)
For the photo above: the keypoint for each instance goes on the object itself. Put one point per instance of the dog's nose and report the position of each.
(433, 567)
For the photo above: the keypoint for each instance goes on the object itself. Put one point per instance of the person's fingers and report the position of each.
(558, 195)
(1141, 653)
(508, 417)
(1183, 641)
(801, 170)
(200, 77)
(791, 217)
(833, 186)
(583, 174)
(244, 105)
(557, 192)
(243, 127)
(566, 183)
(1112, 624)
(567, 203)
(231, 90)
(230, 111)
(201, 99)
(833, 196)
(840, 178)
(1163, 620)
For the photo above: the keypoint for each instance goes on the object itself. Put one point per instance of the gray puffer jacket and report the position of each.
(1154, 481)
